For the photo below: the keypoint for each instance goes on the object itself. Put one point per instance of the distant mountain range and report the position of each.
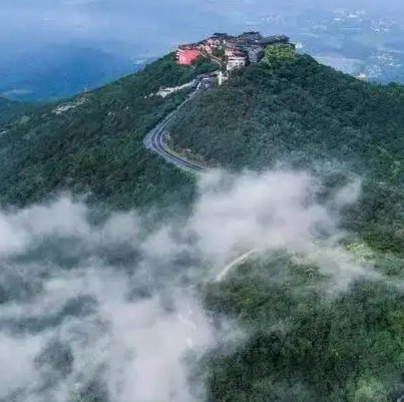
(60, 71)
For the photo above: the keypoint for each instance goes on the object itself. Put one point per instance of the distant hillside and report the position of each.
(60, 71)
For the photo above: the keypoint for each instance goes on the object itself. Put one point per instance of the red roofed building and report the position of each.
(187, 56)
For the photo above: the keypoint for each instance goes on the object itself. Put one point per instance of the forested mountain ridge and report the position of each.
(303, 346)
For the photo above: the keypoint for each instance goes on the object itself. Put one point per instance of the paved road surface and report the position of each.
(155, 140)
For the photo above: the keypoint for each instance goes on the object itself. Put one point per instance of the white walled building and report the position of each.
(235, 62)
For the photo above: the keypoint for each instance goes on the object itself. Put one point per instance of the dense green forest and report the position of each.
(96, 146)
(304, 345)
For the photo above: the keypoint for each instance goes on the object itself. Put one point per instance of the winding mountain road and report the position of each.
(155, 141)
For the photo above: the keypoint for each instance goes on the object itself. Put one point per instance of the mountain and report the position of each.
(301, 338)
(59, 71)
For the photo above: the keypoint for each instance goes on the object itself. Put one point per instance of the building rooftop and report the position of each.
(250, 36)
(273, 39)
(249, 45)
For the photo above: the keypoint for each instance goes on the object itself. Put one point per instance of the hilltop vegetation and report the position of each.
(279, 53)
(301, 111)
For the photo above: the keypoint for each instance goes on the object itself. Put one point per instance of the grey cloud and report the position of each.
(63, 218)
(273, 210)
(128, 346)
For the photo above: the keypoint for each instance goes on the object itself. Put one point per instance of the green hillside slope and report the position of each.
(95, 147)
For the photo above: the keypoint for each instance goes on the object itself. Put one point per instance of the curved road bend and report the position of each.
(155, 140)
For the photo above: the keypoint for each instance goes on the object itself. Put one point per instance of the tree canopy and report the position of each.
(279, 53)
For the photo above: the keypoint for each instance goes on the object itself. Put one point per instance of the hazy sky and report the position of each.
(153, 25)
(155, 22)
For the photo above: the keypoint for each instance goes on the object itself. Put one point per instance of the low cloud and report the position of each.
(83, 329)
(134, 330)
(275, 210)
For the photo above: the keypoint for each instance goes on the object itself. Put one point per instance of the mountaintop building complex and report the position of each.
(230, 52)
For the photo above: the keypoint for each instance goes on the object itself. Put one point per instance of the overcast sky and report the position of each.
(156, 22)
(153, 25)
